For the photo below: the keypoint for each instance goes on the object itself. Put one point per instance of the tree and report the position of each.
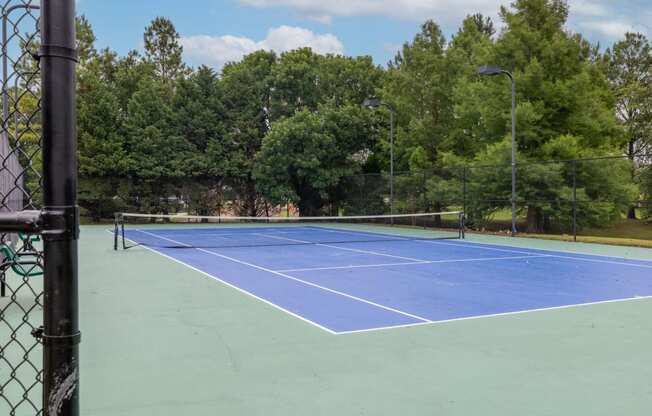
(128, 73)
(163, 49)
(561, 92)
(246, 89)
(197, 116)
(560, 89)
(85, 41)
(474, 125)
(419, 84)
(646, 186)
(305, 80)
(305, 157)
(296, 82)
(628, 66)
(155, 160)
(102, 154)
(483, 24)
(545, 188)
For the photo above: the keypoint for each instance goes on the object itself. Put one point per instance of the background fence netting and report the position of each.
(21, 304)
(607, 197)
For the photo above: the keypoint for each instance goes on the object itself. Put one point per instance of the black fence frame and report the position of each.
(58, 222)
(574, 202)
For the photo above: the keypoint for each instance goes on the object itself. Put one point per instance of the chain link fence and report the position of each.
(21, 270)
(603, 197)
(588, 196)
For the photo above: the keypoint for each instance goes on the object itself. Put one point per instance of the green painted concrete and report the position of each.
(160, 339)
(566, 246)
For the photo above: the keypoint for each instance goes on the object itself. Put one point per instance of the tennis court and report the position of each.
(164, 336)
(362, 278)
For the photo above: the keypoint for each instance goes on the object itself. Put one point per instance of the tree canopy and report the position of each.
(157, 136)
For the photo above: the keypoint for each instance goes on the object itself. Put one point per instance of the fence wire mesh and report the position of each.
(21, 300)
(602, 197)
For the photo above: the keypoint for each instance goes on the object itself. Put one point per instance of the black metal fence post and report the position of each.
(61, 334)
(424, 190)
(425, 201)
(464, 173)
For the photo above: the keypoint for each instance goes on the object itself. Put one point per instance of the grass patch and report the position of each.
(631, 233)
(628, 229)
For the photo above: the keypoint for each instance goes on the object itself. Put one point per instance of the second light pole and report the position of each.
(374, 103)
(493, 71)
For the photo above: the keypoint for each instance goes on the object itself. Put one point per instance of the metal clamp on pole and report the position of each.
(60, 223)
(56, 51)
(67, 340)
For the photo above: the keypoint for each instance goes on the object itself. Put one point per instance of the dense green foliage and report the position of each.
(273, 129)
(304, 158)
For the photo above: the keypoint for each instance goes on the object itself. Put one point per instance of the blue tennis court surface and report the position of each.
(352, 286)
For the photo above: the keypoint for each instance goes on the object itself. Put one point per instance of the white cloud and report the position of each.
(602, 19)
(609, 29)
(608, 21)
(589, 8)
(217, 51)
(320, 18)
(404, 9)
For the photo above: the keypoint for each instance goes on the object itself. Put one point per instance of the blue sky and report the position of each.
(215, 31)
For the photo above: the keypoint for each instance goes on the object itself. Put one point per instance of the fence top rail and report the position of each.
(522, 163)
(559, 161)
(506, 165)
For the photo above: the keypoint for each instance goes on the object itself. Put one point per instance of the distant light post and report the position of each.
(494, 71)
(374, 103)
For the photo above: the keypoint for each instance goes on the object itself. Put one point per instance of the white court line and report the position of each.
(363, 266)
(374, 253)
(425, 323)
(195, 235)
(496, 315)
(480, 246)
(286, 276)
(224, 282)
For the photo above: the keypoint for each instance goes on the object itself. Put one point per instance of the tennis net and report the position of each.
(185, 231)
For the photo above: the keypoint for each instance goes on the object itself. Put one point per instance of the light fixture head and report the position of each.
(372, 103)
(491, 70)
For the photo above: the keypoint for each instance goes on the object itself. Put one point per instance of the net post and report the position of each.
(116, 231)
(464, 185)
(462, 226)
(424, 189)
(122, 229)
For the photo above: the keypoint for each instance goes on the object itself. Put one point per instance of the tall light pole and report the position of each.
(374, 103)
(493, 71)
